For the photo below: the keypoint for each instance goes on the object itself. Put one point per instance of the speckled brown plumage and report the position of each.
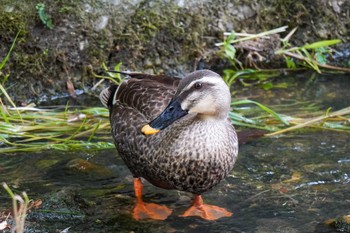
(190, 155)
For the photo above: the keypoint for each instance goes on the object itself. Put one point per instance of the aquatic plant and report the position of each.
(33, 129)
(20, 205)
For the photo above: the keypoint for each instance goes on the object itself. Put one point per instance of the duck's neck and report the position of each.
(217, 117)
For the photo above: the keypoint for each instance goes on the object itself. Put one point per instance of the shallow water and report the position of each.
(289, 183)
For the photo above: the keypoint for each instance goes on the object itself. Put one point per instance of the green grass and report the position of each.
(32, 129)
(311, 56)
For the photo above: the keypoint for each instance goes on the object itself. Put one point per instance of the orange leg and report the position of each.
(144, 210)
(208, 212)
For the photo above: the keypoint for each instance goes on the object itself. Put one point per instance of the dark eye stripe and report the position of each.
(184, 94)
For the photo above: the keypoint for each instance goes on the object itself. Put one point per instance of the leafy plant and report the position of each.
(313, 55)
(111, 76)
(45, 18)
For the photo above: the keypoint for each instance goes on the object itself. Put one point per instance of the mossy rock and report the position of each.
(172, 37)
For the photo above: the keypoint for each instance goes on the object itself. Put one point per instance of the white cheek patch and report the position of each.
(184, 105)
(189, 101)
(204, 106)
(203, 103)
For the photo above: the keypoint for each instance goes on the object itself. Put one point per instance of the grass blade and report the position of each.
(320, 44)
(263, 107)
(2, 64)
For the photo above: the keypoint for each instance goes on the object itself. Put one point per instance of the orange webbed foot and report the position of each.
(144, 210)
(208, 212)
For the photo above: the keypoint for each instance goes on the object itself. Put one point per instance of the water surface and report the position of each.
(289, 183)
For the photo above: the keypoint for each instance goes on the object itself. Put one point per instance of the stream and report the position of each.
(288, 183)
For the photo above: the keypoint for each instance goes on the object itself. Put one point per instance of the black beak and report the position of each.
(170, 114)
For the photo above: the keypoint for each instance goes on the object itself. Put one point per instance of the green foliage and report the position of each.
(238, 119)
(2, 88)
(249, 77)
(321, 44)
(312, 55)
(230, 75)
(33, 129)
(230, 51)
(111, 76)
(3, 63)
(290, 62)
(45, 18)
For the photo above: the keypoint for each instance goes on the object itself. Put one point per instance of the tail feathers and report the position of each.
(106, 96)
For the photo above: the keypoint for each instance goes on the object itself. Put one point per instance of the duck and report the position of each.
(176, 134)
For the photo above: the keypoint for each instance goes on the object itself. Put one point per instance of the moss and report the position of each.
(164, 32)
(33, 64)
(44, 59)
(10, 25)
(99, 47)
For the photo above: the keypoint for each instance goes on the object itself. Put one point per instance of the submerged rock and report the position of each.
(87, 170)
(340, 224)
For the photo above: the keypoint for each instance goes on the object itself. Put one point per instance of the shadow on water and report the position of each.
(289, 183)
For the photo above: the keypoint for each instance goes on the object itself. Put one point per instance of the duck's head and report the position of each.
(202, 92)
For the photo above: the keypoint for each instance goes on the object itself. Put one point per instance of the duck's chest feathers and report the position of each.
(194, 159)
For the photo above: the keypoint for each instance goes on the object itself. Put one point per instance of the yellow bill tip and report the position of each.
(147, 129)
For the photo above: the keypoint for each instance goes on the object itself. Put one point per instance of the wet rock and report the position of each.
(63, 205)
(79, 170)
(340, 224)
(59, 209)
(82, 166)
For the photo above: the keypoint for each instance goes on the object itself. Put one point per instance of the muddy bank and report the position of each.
(172, 37)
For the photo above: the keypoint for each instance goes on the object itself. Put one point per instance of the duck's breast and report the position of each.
(195, 157)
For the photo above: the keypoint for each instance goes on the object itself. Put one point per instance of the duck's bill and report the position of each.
(170, 114)
(147, 129)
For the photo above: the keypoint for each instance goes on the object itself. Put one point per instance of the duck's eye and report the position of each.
(197, 85)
